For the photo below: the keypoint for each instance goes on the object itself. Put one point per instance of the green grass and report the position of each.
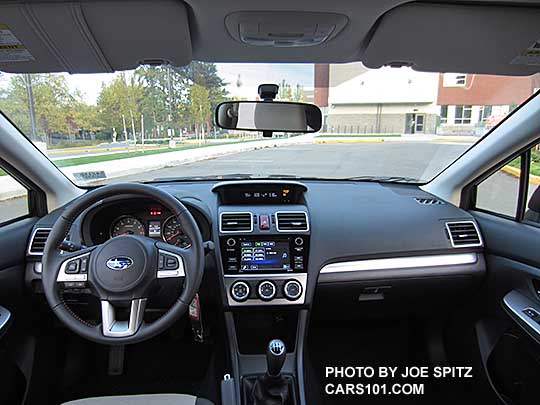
(356, 135)
(535, 163)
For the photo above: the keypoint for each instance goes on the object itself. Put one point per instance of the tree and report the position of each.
(199, 107)
(119, 99)
(167, 91)
(55, 105)
(298, 94)
(285, 91)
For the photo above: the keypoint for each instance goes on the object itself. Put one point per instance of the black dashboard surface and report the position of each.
(348, 219)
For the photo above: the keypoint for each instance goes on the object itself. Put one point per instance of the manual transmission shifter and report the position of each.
(271, 388)
(275, 357)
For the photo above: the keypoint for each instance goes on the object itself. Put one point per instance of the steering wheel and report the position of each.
(122, 271)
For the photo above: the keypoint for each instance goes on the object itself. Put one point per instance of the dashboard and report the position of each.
(298, 243)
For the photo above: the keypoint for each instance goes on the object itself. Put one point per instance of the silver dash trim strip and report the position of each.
(401, 263)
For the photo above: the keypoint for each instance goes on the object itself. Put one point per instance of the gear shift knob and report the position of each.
(275, 357)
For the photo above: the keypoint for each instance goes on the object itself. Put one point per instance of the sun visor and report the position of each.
(92, 37)
(457, 38)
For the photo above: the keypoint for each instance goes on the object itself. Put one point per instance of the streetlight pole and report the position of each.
(31, 110)
(170, 130)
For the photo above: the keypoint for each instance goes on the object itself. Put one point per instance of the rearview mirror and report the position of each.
(269, 116)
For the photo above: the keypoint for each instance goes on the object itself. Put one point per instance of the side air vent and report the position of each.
(463, 234)
(428, 201)
(37, 241)
(292, 221)
(236, 222)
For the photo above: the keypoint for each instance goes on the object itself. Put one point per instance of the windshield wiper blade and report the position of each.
(384, 179)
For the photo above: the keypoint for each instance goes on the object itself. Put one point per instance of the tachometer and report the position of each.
(174, 234)
(127, 225)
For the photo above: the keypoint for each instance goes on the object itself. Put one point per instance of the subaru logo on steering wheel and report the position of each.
(119, 263)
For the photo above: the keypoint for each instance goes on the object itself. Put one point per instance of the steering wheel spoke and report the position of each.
(115, 328)
(171, 261)
(74, 266)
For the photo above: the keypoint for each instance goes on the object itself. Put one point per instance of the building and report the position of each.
(357, 100)
(381, 101)
(473, 104)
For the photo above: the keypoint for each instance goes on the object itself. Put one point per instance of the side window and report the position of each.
(499, 193)
(532, 209)
(13, 198)
(514, 190)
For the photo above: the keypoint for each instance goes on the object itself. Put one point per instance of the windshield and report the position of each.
(391, 124)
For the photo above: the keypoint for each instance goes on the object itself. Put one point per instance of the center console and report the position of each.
(264, 241)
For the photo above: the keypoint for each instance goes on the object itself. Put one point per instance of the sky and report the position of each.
(250, 74)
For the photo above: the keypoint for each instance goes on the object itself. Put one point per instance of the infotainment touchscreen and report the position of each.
(264, 255)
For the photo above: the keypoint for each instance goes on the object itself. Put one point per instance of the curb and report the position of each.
(514, 171)
(443, 138)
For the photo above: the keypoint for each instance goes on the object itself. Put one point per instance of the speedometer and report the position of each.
(127, 225)
(174, 234)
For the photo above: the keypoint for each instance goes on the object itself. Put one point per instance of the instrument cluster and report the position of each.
(144, 218)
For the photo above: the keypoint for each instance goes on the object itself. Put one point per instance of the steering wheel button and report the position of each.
(84, 265)
(161, 262)
(171, 263)
(73, 267)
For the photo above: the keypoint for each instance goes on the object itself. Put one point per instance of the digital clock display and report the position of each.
(262, 193)
(267, 194)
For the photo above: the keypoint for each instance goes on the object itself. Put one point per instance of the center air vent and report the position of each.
(290, 221)
(236, 222)
(37, 241)
(463, 234)
(428, 201)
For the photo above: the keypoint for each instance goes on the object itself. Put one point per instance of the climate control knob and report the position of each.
(292, 290)
(240, 291)
(266, 290)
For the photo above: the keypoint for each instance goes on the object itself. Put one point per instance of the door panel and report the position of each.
(13, 243)
(512, 357)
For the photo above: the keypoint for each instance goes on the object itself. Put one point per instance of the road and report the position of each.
(408, 159)
(421, 160)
